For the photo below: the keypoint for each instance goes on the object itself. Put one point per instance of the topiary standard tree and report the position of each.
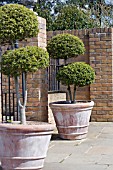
(28, 59)
(22, 23)
(17, 23)
(79, 74)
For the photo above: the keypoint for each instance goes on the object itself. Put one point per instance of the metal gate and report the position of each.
(9, 106)
(53, 84)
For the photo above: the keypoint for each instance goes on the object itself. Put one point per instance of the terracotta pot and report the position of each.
(72, 120)
(24, 146)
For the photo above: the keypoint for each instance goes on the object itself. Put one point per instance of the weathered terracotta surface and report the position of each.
(24, 146)
(72, 120)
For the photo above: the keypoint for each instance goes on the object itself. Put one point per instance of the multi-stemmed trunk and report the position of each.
(72, 97)
(24, 92)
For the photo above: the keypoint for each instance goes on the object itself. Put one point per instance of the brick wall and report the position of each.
(99, 54)
(36, 83)
(101, 59)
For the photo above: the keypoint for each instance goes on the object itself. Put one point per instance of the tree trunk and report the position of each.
(69, 92)
(74, 94)
(22, 107)
(23, 116)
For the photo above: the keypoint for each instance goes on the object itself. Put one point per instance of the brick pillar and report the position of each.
(37, 82)
(101, 59)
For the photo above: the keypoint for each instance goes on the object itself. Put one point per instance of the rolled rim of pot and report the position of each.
(78, 104)
(64, 46)
(39, 127)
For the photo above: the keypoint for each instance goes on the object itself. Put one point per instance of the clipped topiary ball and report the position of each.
(17, 23)
(65, 46)
(79, 74)
(26, 59)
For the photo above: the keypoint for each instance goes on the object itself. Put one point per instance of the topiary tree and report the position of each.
(65, 46)
(17, 61)
(79, 74)
(17, 23)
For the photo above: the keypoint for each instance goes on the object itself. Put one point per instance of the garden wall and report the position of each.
(99, 54)
(37, 83)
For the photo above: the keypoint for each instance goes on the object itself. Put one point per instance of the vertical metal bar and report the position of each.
(13, 106)
(49, 80)
(47, 76)
(6, 107)
(9, 91)
(56, 88)
(2, 99)
(53, 76)
(2, 106)
(58, 66)
(1, 87)
(9, 98)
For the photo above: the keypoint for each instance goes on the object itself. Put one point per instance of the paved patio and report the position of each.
(93, 153)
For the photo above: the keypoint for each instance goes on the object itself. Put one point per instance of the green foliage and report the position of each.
(27, 59)
(65, 46)
(16, 23)
(45, 13)
(78, 74)
(70, 17)
(100, 10)
(48, 9)
(97, 13)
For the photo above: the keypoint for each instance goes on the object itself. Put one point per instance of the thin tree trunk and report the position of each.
(74, 94)
(22, 107)
(69, 92)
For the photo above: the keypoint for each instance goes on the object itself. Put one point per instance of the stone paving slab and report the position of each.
(56, 166)
(93, 153)
(110, 167)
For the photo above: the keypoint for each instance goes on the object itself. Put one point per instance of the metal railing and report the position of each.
(53, 84)
(9, 106)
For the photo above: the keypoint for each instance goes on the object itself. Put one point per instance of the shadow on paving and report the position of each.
(55, 137)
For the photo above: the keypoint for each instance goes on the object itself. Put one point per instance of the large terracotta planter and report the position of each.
(72, 120)
(24, 146)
